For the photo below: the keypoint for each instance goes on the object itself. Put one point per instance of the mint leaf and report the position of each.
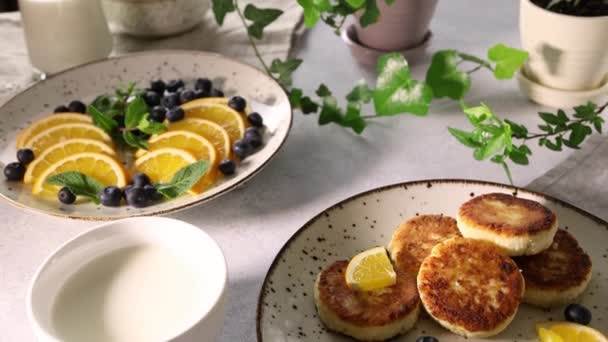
(311, 13)
(261, 17)
(135, 112)
(221, 8)
(78, 183)
(184, 179)
(284, 69)
(360, 93)
(353, 118)
(445, 79)
(150, 127)
(101, 120)
(371, 13)
(134, 140)
(508, 60)
(396, 92)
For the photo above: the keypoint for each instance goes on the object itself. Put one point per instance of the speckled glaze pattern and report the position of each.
(90, 80)
(286, 309)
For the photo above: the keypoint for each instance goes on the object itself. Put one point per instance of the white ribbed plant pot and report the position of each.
(568, 62)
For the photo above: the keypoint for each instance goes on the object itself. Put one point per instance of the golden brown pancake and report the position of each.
(557, 275)
(519, 226)
(470, 287)
(413, 241)
(370, 316)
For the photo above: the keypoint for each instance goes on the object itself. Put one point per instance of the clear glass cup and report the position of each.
(64, 33)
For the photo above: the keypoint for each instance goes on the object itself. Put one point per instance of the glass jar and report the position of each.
(64, 33)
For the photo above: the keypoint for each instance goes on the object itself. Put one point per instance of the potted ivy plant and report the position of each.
(568, 46)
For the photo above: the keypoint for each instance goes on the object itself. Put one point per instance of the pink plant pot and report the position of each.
(401, 25)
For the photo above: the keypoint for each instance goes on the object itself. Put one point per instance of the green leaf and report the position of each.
(308, 105)
(353, 117)
(586, 111)
(562, 117)
(444, 78)
(519, 131)
(304, 103)
(466, 138)
(508, 60)
(284, 69)
(370, 15)
(134, 140)
(150, 127)
(360, 93)
(136, 110)
(295, 97)
(519, 157)
(554, 146)
(322, 5)
(323, 91)
(356, 3)
(549, 118)
(78, 183)
(597, 123)
(396, 92)
(101, 120)
(311, 13)
(546, 128)
(184, 179)
(493, 145)
(261, 17)
(221, 8)
(330, 112)
(478, 114)
(577, 134)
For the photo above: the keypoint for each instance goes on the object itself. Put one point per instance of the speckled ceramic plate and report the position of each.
(286, 310)
(85, 82)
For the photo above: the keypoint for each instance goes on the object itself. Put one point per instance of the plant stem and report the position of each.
(474, 59)
(251, 41)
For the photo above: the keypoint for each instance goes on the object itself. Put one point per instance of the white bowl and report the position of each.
(154, 18)
(192, 247)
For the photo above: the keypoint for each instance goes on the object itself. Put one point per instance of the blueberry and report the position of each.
(427, 339)
(174, 85)
(578, 314)
(14, 171)
(216, 93)
(25, 156)
(126, 190)
(66, 196)
(227, 167)
(255, 119)
(203, 84)
(158, 114)
(140, 180)
(152, 193)
(158, 86)
(61, 109)
(77, 107)
(241, 148)
(171, 100)
(110, 196)
(152, 98)
(199, 94)
(237, 103)
(186, 95)
(253, 137)
(137, 197)
(175, 114)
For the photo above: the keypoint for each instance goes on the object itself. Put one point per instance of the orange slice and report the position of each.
(229, 119)
(209, 130)
(49, 137)
(47, 122)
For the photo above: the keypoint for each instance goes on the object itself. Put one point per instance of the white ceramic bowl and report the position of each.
(188, 243)
(154, 18)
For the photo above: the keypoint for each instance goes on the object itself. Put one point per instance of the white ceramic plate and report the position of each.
(87, 81)
(286, 310)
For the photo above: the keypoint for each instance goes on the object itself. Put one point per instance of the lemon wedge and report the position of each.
(567, 332)
(370, 270)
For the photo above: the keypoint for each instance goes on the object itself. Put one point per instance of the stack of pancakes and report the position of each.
(469, 273)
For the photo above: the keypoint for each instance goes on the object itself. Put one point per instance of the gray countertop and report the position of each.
(317, 167)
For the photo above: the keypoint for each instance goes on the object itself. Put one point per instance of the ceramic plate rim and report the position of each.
(195, 201)
(306, 225)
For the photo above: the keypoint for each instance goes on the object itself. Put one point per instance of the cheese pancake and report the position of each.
(558, 275)
(519, 226)
(367, 316)
(470, 287)
(413, 241)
